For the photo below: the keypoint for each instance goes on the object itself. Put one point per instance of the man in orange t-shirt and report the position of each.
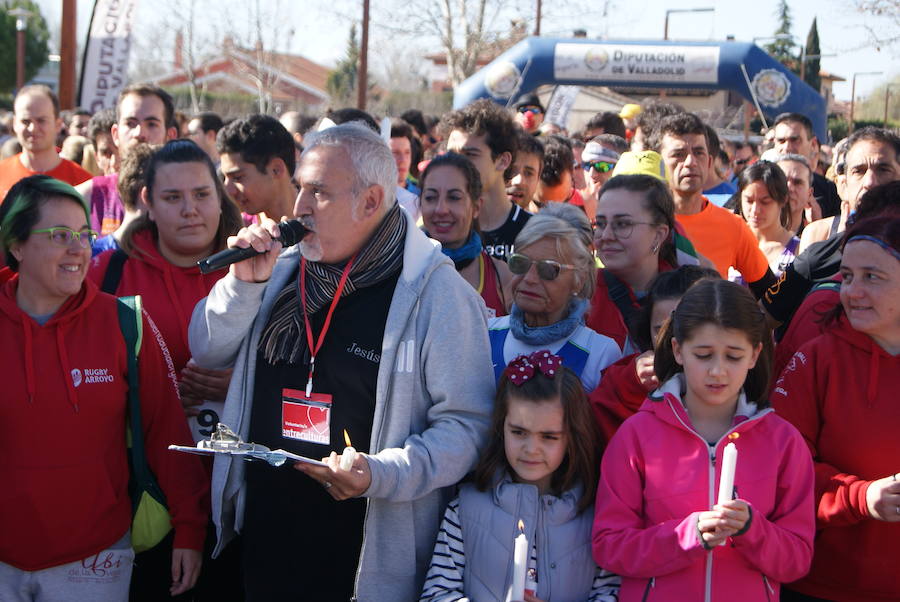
(718, 234)
(36, 123)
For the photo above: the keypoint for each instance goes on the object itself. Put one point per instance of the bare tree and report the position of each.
(266, 35)
(883, 21)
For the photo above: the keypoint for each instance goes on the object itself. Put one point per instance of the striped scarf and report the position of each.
(284, 338)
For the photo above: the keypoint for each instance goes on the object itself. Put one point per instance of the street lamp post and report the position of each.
(853, 96)
(21, 15)
(682, 10)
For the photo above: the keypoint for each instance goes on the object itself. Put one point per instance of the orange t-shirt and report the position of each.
(12, 170)
(725, 239)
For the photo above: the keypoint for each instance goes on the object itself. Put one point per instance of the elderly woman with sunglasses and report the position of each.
(553, 279)
(65, 512)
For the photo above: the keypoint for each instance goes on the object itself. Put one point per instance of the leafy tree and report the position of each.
(782, 48)
(341, 82)
(813, 65)
(36, 42)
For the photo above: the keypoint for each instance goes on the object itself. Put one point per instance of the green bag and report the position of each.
(150, 521)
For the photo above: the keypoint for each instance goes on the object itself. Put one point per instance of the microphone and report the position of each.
(292, 232)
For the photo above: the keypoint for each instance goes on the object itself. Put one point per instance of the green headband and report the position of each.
(31, 190)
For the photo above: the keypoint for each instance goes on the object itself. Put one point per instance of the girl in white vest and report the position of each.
(538, 477)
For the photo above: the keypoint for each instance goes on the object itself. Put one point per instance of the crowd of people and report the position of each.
(540, 342)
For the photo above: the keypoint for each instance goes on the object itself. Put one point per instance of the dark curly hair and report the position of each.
(487, 118)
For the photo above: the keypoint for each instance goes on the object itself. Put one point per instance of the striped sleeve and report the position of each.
(605, 587)
(444, 581)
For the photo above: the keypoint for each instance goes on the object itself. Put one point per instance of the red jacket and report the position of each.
(658, 475)
(604, 316)
(62, 433)
(840, 391)
(806, 324)
(168, 291)
(618, 396)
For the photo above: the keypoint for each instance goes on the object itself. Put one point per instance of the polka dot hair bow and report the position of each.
(524, 367)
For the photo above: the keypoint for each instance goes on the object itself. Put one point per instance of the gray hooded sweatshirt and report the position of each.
(432, 406)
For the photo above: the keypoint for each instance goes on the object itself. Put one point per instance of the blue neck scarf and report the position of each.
(466, 253)
(541, 335)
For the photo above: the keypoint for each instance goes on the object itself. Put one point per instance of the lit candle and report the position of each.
(726, 480)
(520, 565)
(349, 455)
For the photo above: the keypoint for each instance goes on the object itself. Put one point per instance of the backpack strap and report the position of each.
(114, 273)
(621, 296)
(131, 323)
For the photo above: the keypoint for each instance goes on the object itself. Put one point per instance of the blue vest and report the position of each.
(573, 356)
(489, 522)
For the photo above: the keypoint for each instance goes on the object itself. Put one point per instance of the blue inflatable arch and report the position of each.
(736, 66)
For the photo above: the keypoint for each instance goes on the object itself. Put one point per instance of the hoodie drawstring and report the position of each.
(29, 357)
(67, 372)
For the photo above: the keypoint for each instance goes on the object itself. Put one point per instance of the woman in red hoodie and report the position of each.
(186, 216)
(65, 511)
(840, 391)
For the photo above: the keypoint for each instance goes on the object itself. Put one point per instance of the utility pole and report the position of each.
(887, 95)
(67, 52)
(537, 21)
(362, 76)
(853, 96)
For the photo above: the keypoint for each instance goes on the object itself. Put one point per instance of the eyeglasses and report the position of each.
(600, 166)
(64, 236)
(621, 228)
(534, 110)
(547, 269)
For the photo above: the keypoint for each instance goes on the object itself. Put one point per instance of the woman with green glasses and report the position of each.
(65, 509)
(553, 279)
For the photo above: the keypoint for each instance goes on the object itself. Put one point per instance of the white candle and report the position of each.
(726, 480)
(520, 566)
(349, 455)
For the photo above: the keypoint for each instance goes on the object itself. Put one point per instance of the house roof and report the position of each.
(292, 76)
(831, 76)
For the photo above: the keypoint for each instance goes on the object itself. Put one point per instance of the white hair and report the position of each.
(566, 225)
(371, 159)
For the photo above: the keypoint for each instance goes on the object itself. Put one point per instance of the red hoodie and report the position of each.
(62, 433)
(840, 391)
(618, 396)
(806, 324)
(169, 292)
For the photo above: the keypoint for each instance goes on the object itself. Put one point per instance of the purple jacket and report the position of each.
(658, 474)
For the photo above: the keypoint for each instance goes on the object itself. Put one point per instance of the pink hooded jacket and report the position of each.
(658, 474)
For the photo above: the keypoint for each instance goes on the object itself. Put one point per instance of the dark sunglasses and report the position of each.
(547, 269)
(535, 110)
(600, 166)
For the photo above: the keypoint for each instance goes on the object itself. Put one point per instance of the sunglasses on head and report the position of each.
(534, 110)
(599, 166)
(547, 269)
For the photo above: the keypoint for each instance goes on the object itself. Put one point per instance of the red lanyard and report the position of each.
(314, 349)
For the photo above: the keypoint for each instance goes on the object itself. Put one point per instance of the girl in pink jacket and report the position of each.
(656, 521)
